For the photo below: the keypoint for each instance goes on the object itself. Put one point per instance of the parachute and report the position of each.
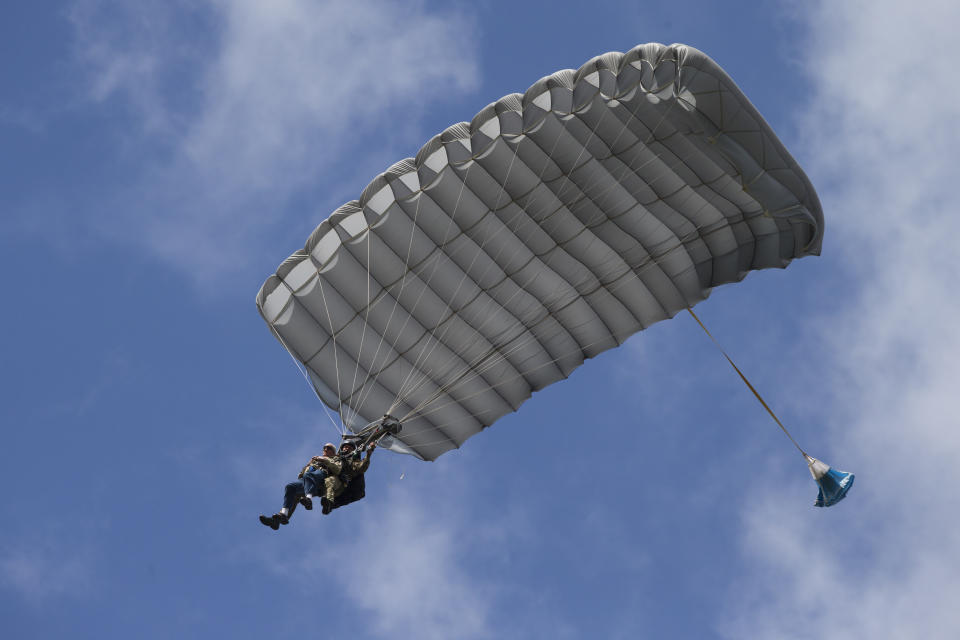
(549, 229)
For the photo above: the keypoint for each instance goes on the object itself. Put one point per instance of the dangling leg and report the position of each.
(331, 488)
(312, 486)
(291, 495)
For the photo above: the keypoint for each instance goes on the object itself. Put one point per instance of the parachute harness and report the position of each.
(833, 483)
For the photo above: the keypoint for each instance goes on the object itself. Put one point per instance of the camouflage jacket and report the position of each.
(334, 466)
(353, 466)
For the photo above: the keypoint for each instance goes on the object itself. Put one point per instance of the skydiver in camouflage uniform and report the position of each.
(332, 473)
(351, 467)
(313, 476)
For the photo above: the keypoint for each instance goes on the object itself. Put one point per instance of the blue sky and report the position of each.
(159, 159)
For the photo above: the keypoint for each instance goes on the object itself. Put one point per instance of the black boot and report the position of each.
(273, 521)
(307, 503)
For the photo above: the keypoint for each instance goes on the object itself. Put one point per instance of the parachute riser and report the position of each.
(749, 385)
(374, 432)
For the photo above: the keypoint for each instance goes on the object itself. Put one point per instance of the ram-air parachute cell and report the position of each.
(552, 227)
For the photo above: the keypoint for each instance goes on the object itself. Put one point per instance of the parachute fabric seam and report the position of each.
(332, 338)
(490, 361)
(427, 281)
(614, 180)
(355, 315)
(494, 359)
(366, 317)
(410, 312)
(388, 363)
(397, 302)
(519, 219)
(408, 416)
(463, 278)
(565, 177)
(566, 245)
(518, 216)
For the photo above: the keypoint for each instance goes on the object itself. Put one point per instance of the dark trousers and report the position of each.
(292, 494)
(311, 483)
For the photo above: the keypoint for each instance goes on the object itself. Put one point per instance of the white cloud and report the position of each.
(243, 105)
(413, 582)
(882, 142)
(130, 52)
(403, 563)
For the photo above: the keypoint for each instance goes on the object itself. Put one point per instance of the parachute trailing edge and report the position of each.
(550, 228)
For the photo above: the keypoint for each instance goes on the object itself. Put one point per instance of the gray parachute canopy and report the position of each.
(553, 226)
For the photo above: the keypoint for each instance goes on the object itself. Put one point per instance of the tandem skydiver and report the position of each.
(328, 476)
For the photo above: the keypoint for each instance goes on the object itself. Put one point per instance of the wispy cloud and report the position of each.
(402, 562)
(883, 135)
(45, 569)
(238, 107)
(131, 53)
(413, 582)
